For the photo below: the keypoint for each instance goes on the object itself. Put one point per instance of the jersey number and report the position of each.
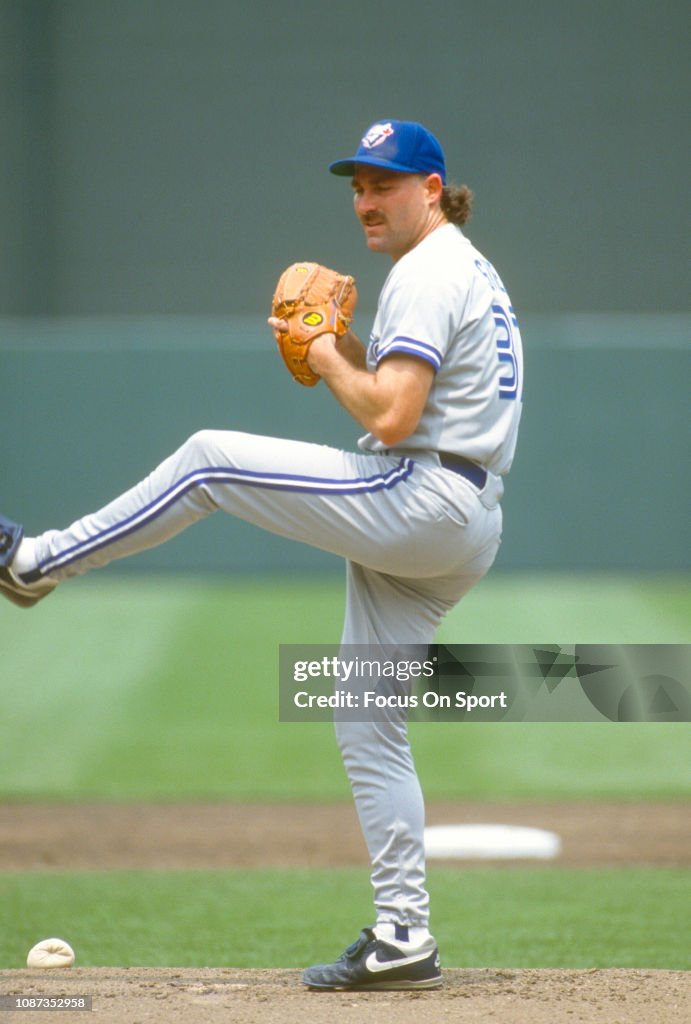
(506, 336)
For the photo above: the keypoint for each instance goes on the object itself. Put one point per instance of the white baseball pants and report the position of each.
(415, 537)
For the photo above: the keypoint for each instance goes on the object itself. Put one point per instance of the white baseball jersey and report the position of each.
(445, 303)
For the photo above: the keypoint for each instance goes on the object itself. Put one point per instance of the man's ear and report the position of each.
(433, 187)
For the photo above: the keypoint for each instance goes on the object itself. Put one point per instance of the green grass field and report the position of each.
(123, 688)
(133, 688)
(484, 918)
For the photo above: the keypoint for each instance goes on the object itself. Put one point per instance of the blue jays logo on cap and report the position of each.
(377, 134)
(404, 146)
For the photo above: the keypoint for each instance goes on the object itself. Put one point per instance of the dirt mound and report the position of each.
(186, 996)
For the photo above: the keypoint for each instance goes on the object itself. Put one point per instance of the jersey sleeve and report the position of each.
(417, 317)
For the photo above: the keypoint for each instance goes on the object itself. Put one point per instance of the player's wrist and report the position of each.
(321, 353)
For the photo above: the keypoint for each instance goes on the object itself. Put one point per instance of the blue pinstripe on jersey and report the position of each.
(410, 346)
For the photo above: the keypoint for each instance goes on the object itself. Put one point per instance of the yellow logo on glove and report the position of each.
(313, 319)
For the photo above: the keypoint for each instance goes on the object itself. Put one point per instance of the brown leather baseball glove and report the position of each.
(313, 300)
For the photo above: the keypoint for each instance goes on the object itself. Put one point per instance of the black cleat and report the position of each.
(24, 591)
(11, 534)
(25, 595)
(370, 963)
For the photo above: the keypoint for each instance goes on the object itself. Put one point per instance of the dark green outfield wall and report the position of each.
(162, 160)
(169, 156)
(600, 480)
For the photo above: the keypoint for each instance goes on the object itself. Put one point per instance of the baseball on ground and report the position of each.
(50, 953)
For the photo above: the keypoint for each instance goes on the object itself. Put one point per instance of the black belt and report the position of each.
(470, 470)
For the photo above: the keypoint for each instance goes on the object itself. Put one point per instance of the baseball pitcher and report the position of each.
(414, 510)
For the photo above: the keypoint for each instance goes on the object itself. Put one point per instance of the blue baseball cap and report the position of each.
(404, 146)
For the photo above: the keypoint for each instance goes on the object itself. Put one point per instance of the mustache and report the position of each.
(368, 219)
